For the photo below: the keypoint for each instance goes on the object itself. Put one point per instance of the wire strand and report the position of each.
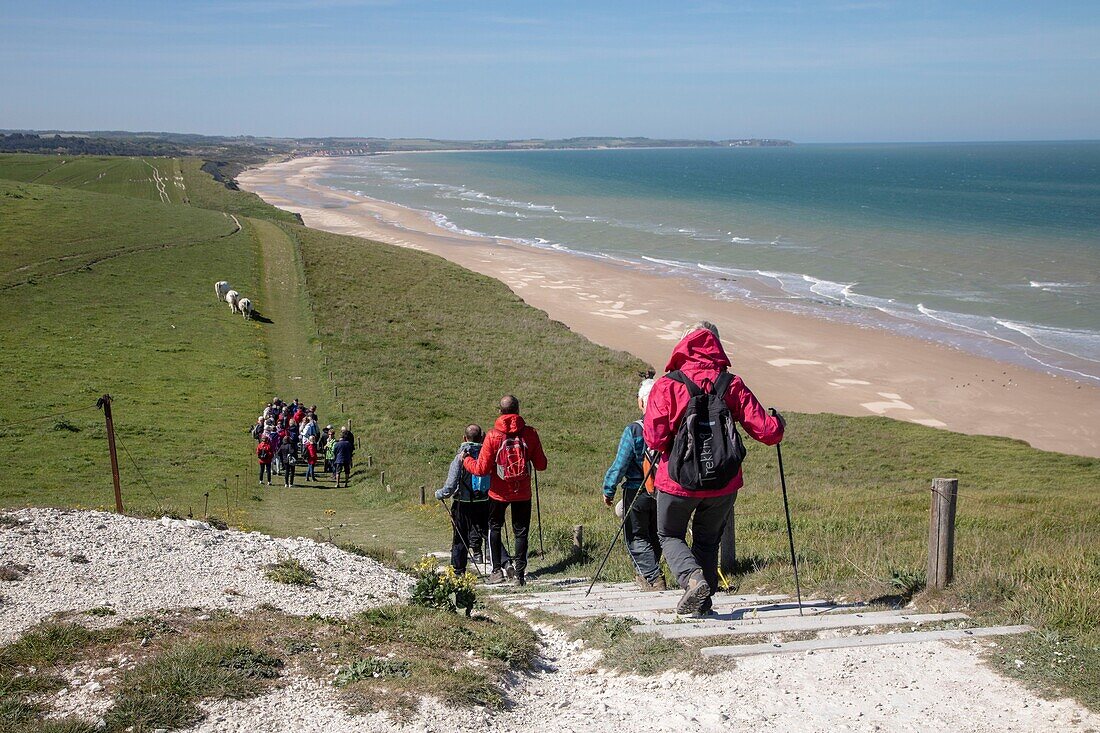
(137, 468)
(69, 411)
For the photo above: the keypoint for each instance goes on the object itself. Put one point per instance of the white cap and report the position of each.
(644, 389)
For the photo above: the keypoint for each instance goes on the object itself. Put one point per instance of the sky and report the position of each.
(827, 71)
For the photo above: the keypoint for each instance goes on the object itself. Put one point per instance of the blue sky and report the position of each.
(834, 70)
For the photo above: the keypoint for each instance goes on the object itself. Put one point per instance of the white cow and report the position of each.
(221, 287)
(245, 307)
(232, 298)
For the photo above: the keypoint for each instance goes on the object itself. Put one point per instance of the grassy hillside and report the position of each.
(417, 348)
(130, 310)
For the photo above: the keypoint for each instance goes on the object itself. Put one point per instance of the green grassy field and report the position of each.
(418, 347)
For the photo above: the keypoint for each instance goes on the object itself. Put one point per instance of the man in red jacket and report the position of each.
(700, 357)
(510, 452)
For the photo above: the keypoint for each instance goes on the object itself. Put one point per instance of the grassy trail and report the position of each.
(292, 361)
(296, 370)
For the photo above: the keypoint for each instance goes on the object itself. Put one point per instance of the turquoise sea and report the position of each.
(993, 248)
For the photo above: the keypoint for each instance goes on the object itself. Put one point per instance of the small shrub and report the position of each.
(290, 571)
(251, 663)
(446, 590)
(65, 425)
(376, 668)
(101, 611)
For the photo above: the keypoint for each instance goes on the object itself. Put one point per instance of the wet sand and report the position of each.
(791, 361)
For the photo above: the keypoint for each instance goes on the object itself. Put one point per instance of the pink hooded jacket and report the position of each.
(700, 356)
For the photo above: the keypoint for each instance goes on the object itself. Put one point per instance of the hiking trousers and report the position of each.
(288, 474)
(708, 519)
(466, 516)
(641, 533)
(521, 524)
(265, 468)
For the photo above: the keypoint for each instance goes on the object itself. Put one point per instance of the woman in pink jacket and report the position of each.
(699, 357)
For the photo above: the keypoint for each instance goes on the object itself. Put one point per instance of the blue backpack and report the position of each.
(479, 485)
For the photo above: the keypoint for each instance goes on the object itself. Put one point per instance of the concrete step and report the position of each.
(774, 625)
(848, 642)
(647, 602)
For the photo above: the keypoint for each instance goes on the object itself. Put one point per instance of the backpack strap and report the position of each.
(692, 388)
(722, 384)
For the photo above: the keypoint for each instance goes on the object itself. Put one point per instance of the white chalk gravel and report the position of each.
(139, 565)
(81, 560)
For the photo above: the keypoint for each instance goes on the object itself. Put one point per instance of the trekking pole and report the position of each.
(787, 511)
(469, 553)
(626, 517)
(538, 514)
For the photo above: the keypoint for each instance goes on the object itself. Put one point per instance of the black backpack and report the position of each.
(707, 451)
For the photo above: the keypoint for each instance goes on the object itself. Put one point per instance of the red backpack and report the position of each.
(263, 452)
(511, 459)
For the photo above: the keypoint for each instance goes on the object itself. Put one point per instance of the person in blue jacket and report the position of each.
(641, 525)
(469, 496)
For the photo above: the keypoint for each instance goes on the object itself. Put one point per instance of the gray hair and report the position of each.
(702, 326)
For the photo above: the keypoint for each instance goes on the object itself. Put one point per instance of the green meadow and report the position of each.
(107, 287)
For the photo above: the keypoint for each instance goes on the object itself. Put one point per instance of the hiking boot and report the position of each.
(705, 610)
(510, 570)
(495, 578)
(521, 579)
(478, 560)
(696, 592)
(659, 584)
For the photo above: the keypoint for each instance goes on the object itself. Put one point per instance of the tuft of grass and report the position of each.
(291, 571)
(101, 611)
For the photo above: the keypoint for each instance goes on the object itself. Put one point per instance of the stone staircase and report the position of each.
(834, 625)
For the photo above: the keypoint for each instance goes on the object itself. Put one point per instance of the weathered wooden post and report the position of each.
(728, 563)
(370, 461)
(578, 540)
(423, 497)
(382, 479)
(941, 533)
(104, 403)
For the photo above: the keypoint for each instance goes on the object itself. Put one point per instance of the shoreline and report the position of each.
(795, 361)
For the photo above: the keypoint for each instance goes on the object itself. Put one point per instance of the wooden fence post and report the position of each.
(728, 555)
(104, 403)
(423, 496)
(578, 540)
(941, 533)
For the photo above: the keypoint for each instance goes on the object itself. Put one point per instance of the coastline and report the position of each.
(796, 362)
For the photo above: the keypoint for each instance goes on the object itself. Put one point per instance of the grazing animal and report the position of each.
(221, 287)
(245, 307)
(232, 297)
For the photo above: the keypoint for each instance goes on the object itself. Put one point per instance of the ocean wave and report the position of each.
(496, 212)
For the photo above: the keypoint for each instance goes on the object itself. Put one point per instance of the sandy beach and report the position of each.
(793, 362)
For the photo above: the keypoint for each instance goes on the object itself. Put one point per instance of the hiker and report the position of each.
(322, 447)
(272, 434)
(292, 433)
(330, 454)
(264, 454)
(257, 430)
(469, 502)
(341, 459)
(288, 456)
(640, 527)
(309, 430)
(709, 479)
(510, 451)
(310, 455)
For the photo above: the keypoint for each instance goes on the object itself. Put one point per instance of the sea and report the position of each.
(991, 248)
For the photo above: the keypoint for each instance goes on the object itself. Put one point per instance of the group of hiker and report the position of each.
(679, 466)
(289, 435)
